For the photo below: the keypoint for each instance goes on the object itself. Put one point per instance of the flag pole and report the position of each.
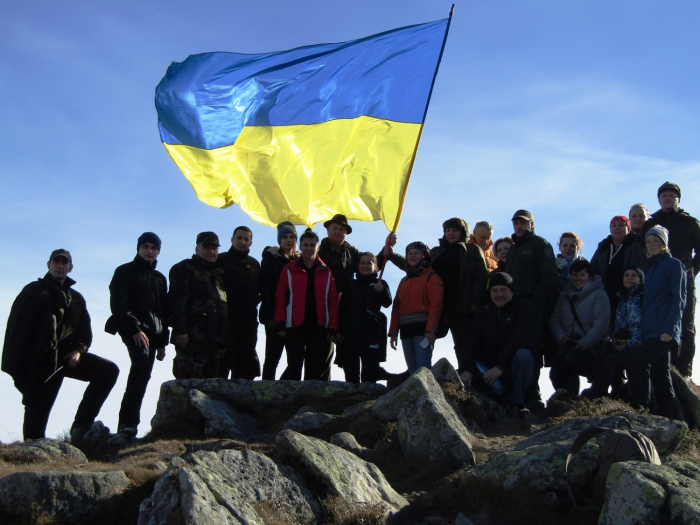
(404, 190)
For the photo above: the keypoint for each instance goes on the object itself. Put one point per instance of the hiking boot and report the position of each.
(128, 431)
(523, 412)
(76, 436)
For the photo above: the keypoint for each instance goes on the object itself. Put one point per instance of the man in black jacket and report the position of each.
(138, 295)
(503, 343)
(47, 338)
(241, 277)
(684, 245)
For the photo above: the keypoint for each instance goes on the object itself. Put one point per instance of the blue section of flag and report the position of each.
(206, 101)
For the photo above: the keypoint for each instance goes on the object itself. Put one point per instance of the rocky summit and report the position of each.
(426, 451)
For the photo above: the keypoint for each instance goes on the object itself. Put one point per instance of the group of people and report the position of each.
(511, 307)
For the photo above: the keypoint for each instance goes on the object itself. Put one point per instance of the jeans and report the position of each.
(416, 356)
(519, 376)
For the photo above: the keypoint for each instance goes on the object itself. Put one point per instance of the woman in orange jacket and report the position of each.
(417, 307)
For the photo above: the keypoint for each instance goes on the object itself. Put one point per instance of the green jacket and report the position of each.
(532, 265)
(197, 301)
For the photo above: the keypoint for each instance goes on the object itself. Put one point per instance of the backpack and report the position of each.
(620, 445)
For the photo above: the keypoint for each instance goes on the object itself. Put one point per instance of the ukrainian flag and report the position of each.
(301, 135)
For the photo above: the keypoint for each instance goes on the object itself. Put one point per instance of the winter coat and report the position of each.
(47, 322)
(473, 274)
(633, 254)
(683, 236)
(418, 300)
(273, 261)
(593, 309)
(361, 304)
(197, 301)
(489, 256)
(290, 301)
(138, 300)
(496, 334)
(664, 297)
(628, 315)
(241, 277)
(531, 264)
(342, 264)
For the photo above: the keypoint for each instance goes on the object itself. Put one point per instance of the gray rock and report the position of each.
(45, 449)
(641, 493)
(67, 497)
(340, 472)
(358, 410)
(309, 422)
(444, 372)
(306, 409)
(429, 429)
(254, 396)
(222, 420)
(421, 384)
(461, 519)
(348, 442)
(228, 486)
(688, 394)
(538, 461)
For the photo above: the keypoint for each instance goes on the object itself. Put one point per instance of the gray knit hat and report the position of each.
(660, 232)
(283, 228)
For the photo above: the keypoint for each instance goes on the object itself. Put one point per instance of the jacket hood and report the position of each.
(272, 252)
(594, 284)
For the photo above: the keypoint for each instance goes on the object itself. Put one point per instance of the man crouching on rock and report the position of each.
(499, 354)
(47, 338)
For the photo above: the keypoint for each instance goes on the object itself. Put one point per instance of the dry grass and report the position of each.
(600, 407)
(337, 511)
(688, 450)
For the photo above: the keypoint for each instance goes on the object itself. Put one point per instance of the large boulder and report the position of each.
(688, 394)
(222, 420)
(308, 421)
(254, 397)
(538, 461)
(65, 497)
(444, 372)
(228, 487)
(641, 493)
(338, 471)
(37, 450)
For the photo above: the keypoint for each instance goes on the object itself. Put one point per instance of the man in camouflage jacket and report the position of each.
(197, 309)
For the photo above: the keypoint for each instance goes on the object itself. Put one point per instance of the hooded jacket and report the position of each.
(137, 298)
(290, 301)
(593, 309)
(241, 277)
(531, 264)
(683, 236)
(496, 334)
(632, 252)
(628, 315)
(47, 322)
(273, 261)
(665, 284)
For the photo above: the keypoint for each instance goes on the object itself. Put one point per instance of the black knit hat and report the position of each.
(669, 186)
(148, 238)
(639, 271)
(283, 228)
(500, 279)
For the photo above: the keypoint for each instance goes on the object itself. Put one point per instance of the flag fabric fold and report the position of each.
(303, 134)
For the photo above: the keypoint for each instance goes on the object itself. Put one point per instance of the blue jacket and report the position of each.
(629, 315)
(664, 297)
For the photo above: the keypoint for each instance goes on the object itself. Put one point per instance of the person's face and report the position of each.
(366, 265)
(654, 245)
(288, 242)
(568, 246)
(59, 268)
(630, 279)
(502, 251)
(208, 252)
(453, 235)
(414, 257)
(501, 295)
(669, 200)
(309, 248)
(482, 236)
(242, 240)
(579, 280)
(520, 226)
(148, 251)
(637, 218)
(336, 233)
(618, 230)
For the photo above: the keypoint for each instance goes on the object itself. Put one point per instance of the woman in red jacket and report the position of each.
(417, 307)
(306, 309)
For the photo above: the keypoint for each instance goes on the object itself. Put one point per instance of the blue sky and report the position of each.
(574, 110)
